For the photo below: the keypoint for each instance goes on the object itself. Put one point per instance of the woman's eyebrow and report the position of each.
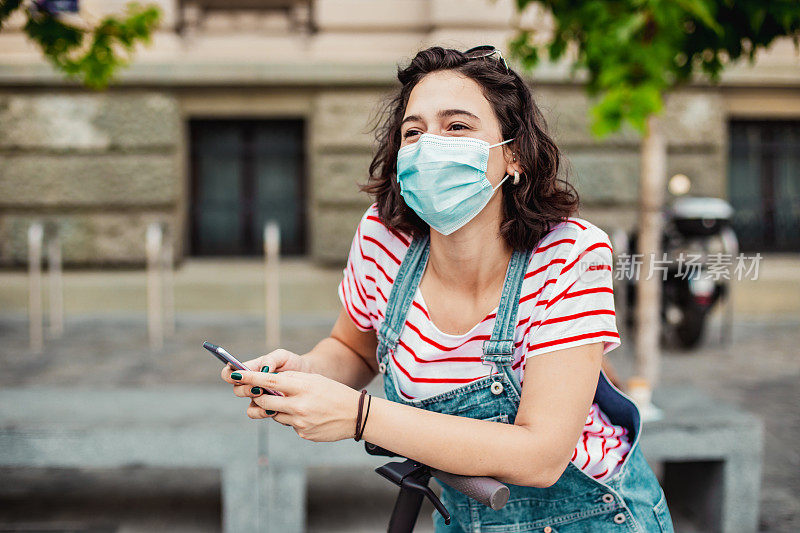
(450, 112)
(411, 118)
(442, 114)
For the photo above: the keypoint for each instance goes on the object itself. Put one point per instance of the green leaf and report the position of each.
(521, 49)
(627, 48)
(700, 9)
(95, 65)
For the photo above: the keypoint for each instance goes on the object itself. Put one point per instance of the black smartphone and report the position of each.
(223, 355)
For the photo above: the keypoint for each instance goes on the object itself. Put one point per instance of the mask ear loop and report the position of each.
(499, 184)
(516, 173)
(507, 175)
(504, 142)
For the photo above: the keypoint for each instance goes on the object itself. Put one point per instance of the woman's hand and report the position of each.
(318, 408)
(278, 360)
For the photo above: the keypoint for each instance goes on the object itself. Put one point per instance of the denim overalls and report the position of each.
(631, 500)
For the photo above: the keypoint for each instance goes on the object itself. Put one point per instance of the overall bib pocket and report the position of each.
(662, 513)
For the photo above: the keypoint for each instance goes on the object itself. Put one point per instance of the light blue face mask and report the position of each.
(443, 179)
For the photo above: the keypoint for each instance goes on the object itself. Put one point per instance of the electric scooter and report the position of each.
(412, 477)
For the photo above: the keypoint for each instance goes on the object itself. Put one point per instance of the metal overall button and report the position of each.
(608, 498)
(619, 518)
(496, 388)
(382, 368)
(548, 529)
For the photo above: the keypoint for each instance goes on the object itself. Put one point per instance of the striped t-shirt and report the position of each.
(566, 301)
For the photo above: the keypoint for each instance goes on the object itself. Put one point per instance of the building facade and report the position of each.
(244, 111)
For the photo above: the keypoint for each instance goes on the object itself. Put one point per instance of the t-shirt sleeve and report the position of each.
(580, 304)
(354, 287)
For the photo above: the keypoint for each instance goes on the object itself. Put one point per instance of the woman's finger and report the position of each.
(225, 373)
(282, 418)
(273, 361)
(247, 391)
(271, 402)
(256, 412)
(285, 382)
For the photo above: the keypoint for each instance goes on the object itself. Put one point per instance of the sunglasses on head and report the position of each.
(485, 50)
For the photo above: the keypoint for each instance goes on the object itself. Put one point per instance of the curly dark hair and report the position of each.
(532, 207)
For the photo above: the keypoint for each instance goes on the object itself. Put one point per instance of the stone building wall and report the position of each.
(340, 150)
(101, 166)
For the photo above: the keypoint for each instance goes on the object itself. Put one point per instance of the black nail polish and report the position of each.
(256, 390)
(265, 368)
(236, 376)
(269, 412)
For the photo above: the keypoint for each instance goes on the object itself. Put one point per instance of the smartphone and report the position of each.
(223, 355)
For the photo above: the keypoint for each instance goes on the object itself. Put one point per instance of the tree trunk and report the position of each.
(648, 291)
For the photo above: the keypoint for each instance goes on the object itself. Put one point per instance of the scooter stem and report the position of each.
(412, 478)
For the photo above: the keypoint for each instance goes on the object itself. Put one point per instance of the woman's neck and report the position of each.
(471, 259)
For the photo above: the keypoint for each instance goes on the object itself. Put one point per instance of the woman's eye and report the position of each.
(409, 133)
(460, 126)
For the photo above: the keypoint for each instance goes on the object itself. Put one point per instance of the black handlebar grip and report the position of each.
(486, 490)
(374, 449)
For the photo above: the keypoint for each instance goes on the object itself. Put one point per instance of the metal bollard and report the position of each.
(168, 270)
(35, 327)
(731, 244)
(155, 326)
(55, 275)
(272, 245)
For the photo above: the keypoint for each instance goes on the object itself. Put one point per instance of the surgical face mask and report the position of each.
(443, 179)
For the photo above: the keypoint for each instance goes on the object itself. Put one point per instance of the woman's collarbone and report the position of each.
(457, 316)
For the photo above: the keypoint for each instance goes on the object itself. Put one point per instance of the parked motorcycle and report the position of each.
(699, 243)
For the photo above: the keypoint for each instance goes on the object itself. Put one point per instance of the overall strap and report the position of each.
(401, 295)
(500, 347)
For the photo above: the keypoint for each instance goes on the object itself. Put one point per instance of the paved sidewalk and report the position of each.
(105, 345)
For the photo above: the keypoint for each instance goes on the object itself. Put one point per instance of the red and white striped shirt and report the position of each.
(566, 301)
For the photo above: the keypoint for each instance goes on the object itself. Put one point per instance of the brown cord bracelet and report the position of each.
(364, 423)
(360, 409)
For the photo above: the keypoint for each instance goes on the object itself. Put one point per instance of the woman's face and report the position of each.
(450, 104)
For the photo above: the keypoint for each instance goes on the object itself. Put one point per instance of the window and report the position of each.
(243, 174)
(764, 184)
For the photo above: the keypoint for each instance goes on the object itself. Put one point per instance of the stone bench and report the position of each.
(263, 465)
(711, 454)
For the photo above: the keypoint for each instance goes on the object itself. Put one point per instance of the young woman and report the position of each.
(486, 307)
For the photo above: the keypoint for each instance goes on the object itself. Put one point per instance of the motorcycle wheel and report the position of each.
(690, 329)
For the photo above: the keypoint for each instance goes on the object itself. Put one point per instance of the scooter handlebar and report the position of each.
(486, 490)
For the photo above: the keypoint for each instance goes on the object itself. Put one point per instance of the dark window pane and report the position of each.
(245, 173)
(787, 187)
(218, 172)
(764, 184)
(277, 166)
